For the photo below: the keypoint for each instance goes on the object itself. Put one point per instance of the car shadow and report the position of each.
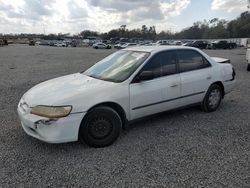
(163, 116)
(160, 119)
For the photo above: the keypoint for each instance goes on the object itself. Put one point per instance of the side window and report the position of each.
(169, 63)
(162, 64)
(191, 60)
(154, 64)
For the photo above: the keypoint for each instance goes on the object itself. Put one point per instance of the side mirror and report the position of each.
(146, 75)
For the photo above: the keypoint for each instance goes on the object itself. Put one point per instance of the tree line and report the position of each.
(211, 29)
(206, 29)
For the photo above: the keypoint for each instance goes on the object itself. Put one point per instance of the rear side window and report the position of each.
(191, 60)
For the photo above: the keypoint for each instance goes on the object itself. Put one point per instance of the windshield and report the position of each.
(118, 66)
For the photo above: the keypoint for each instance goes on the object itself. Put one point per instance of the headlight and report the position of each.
(51, 111)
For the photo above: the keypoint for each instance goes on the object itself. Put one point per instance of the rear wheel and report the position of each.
(248, 67)
(213, 98)
(101, 127)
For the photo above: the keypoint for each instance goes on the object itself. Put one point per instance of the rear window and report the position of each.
(191, 60)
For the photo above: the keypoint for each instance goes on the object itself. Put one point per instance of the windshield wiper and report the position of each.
(90, 76)
(99, 78)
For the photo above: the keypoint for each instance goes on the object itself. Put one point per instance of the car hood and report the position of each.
(62, 90)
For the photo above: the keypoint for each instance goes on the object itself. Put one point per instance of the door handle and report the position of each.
(174, 85)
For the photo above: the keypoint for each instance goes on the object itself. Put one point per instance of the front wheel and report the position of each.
(101, 127)
(212, 98)
(248, 67)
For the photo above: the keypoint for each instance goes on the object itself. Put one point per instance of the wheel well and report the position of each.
(117, 108)
(221, 85)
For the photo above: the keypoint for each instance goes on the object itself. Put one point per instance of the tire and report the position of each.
(100, 127)
(248, 67)
(212, 99)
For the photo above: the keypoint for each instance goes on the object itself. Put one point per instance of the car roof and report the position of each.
(155, 49)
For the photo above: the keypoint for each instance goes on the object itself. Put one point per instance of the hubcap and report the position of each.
(100, 128)
(214, 98)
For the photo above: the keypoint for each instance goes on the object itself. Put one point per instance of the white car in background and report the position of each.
(127, 45)
(175, 43)
(161, 43)
(101, 45)
(60, 44)
(248, 59)
(94, 105)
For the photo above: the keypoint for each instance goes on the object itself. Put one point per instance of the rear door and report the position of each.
(195, 74)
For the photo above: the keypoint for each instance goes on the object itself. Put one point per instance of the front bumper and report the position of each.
(51, 130)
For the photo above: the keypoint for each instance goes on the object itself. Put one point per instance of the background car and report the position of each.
(4, 42)
(60, 44)
(106, 41)
(126, 45)
(32, 43)
(209, 45)
(198, 44)
(101, 45)
(223, 44)
(177, 43)
(187, 43)
(118, 45)
(161, 43)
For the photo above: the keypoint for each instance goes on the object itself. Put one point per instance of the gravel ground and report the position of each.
(187, 148)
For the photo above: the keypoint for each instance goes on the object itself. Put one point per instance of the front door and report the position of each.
(160, 93)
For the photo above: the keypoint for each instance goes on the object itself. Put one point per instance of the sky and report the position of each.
(74, 16)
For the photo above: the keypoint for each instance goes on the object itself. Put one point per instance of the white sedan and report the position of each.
(94, 106)
(61, 44)
(101, 46)
(127, 45)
